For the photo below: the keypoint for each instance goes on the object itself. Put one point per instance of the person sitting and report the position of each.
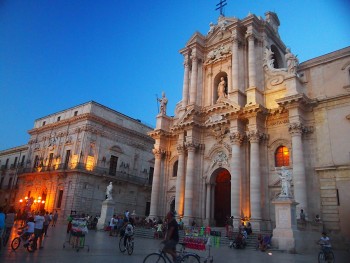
(266, 242)
(248, 228)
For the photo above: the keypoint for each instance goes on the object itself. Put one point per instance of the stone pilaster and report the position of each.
(188, 209)
(251, 61)
(299, 180)
(254, 137)
(194, 75)
(185, 83)
(236, 140)
(158, 154)
(207, 203)
(180, 181)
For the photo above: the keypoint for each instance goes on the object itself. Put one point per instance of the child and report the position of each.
(29, 230)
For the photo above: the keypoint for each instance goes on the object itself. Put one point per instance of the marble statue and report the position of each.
(163, 102)
(109, 191)
(221, 88)
(286, 179)
(292, 62)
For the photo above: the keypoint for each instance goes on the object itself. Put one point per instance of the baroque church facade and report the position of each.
(248, 111)
(73, 155)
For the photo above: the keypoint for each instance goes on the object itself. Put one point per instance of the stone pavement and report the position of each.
(104, 248)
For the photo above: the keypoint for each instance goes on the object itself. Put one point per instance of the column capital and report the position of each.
(158, 153)
(256, 136)
(236, 138)
(180, 149)
(186, 64)
(191, 146)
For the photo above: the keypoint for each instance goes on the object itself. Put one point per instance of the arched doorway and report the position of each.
(222, 207)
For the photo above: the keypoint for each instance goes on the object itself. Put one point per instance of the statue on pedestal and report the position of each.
(163, 102)
(109, 191)
(286, 179)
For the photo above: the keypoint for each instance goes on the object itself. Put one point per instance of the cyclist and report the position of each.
(129, 231)
(172, 235)
(29, 230)
(325, 243)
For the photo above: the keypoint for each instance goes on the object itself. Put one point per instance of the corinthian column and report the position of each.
(251, 61)
(193, 90)
(236, 140)
(188, 213)
(180, 181)
(235, 83)
(255, 192)
(158, 153)
(299, 180)
(185, 84)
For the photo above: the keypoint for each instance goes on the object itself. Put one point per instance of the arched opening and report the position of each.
(277, 59)
(222, 208)
(282, 156)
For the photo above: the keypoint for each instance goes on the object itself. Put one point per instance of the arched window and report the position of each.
(282, 156)
(175, 169)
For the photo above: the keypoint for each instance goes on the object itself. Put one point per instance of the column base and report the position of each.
(107, 212)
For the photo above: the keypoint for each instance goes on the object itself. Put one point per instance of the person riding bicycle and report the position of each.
(325, 243)
(29, 230)
(172, 235)
(129, 231)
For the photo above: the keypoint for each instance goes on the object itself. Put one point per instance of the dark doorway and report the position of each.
(222, 197)
(172, 205)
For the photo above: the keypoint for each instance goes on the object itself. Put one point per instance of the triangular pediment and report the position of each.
(197, 38)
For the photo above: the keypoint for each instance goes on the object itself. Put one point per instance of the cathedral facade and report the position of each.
(249, 111)
(74, 154)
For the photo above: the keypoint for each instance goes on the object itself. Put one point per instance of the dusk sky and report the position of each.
(58, 54)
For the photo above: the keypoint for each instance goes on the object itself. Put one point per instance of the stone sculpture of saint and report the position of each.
(163, 102)
(292, 62)
(109, 191)
(221, 88)
(286, 179)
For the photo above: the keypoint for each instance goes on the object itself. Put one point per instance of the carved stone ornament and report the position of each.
(158, 153)
(218, 54)
(220, 159)
(214, 118)
(236, 137)
(254, 136)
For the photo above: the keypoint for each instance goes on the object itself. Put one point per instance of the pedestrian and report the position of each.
(38, 229)
(46, 223)
(54, 218)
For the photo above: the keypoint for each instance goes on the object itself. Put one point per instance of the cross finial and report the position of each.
(221, 6)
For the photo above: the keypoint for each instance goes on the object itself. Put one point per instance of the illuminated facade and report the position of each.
(249, 108)
(73, 155)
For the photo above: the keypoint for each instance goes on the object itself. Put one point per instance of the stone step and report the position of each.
(224, 241)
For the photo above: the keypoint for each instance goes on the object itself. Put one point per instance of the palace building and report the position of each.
(73, 155)
(249, 110)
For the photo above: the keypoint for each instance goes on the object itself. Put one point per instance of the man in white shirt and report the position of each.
(38, 228)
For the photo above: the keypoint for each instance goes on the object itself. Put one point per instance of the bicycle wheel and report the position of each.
(121, 245)
(154, 258)
(190, 259)
(15, 243)
(31, 246)
(130, 246)
(330, 257)
(321, 257)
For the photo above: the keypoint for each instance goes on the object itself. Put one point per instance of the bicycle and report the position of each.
(162, 257)
(30, 245)
(326, 255)
(129, 244)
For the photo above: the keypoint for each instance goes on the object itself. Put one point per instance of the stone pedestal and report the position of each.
(284, 234)
(107, 212)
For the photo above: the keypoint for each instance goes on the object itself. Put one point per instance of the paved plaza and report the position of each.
(104, 248)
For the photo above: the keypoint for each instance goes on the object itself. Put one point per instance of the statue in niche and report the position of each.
(163, 102)
(211, 28)
(292, 62)
(109, 191)
(222, 88)
(286, 179)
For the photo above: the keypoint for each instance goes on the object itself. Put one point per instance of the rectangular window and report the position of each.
(9, 186)
(58, 118)
(113, 165)
(66, 160)
(150, 175)
(44, 122)
(76, 113)
(1, 181)
(59, 199)
(23, 159)
(15, 163)
(7, 163)
(36, 161)
(50, 160)
(148, 206)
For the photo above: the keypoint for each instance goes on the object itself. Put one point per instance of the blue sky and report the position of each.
(122, 53)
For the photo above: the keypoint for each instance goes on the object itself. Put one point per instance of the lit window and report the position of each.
(282, 156)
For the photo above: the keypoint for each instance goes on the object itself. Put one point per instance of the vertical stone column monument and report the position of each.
(284, 234)
(107, 209)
